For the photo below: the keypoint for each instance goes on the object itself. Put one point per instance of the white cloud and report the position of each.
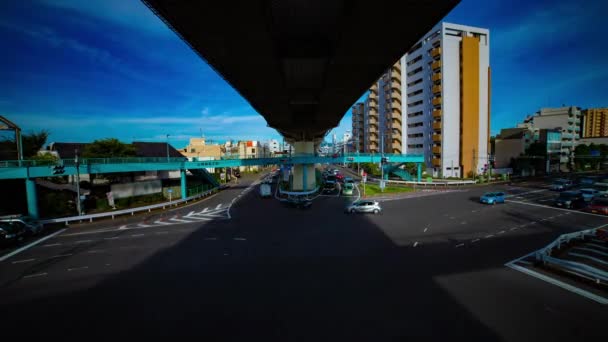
(129, 13)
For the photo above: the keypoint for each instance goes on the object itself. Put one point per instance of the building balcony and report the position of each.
(436, 101)
(397, 106)
(395, 84)
(397, 68)
(437, 138)
(566, 143)
(436, 89)
(436, 65)
(396, 75)
(436, 52)
(436, 162)
(437, 113)
(437, 126)
(567, 136)
(577, 129)
(373, 95)
(374, 88)
(437, 149)
(436, 77)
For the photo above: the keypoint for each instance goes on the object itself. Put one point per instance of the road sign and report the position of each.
(364, 179)
(382, 184)
(169, 190)
(222, 176)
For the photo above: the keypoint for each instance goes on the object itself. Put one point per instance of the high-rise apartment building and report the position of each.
(371, 142)
(389, 110)
(357, 121)
(595, 122)
(446, 96)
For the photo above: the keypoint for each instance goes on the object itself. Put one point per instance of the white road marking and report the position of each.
(60, 256)
(122, 227)
(136, 235)
(83, 241)
(162, 223)
(204, 210)
(591, 250)
(459, 245)
(584, 256)
(17, 251)
(93, 251)
(463, 222)
(473, 241)
(415, 243)
(218, 206)
(190, 213)
(78, 268)
(554, 208)
(565, 286)
(597, 246)
(425, 229)
(500, 232)
(489, 236)
(512, 228)
(22, 261)
(473, 211)
(180, 220)
(51, 245)
(144, 225)
(35, 275)
(112, 238)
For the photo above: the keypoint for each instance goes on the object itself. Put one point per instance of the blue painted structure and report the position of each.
(31, 169)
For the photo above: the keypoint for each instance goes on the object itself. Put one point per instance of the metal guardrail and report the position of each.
(434, 183)
(577, 268)
(131, 211)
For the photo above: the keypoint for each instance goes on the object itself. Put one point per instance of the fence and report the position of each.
(434, 183)
(544, 256)
(131, 211)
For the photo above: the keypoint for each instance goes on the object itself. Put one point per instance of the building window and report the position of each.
(192, 150)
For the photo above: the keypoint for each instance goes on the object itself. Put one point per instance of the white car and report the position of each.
(364, 206)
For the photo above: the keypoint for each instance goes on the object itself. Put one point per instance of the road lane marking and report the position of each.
(489, 236)
(425, 229)
(122, 227)
(473, 241)
(78, 268)
(15, 252)
(415, 243)
(92, 251)
(136, 235)
(83, 241)
(162, 223)
(180, 220)
(500, 232)
(35, 275)
(60, 256)
(144, 225)
(218, 206)
(459, 245)
(112, 238)
(558, 283)
(51, 245)
(22, 261)
(569, 211)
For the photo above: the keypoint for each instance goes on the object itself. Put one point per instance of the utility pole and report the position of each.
(78, 205)
(474, 166)
(167, 148)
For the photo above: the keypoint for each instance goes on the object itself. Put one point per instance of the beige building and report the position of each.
(594, 122)
(198, 149)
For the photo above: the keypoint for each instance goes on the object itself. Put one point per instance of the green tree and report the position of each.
(108, 148)
(45, 158)
(32, 143)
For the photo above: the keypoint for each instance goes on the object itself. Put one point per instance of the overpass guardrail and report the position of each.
(544, 256)
(131, 211)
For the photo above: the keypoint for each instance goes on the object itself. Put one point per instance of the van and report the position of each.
(265, 190)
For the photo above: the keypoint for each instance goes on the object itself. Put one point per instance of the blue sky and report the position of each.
(86, 70)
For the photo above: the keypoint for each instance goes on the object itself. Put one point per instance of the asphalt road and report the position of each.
(430, 267)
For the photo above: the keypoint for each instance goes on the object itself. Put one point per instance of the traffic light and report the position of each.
(58, 170)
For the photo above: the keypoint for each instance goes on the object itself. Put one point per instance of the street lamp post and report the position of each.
(167, 143)
(78, 204)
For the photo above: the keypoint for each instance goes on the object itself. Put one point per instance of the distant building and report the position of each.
(595, 122)
(357, 125)
(567, 119)
(199, 149)
(511, 143)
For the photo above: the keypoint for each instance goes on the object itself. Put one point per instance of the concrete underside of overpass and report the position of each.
(301, 64)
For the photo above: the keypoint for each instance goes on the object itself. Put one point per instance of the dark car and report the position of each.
(330, 187)
(589, 180)
(598, 205)
(10, 233)
(298, 202)
(570, 200)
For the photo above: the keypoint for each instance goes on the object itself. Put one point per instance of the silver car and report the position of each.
(364, 206)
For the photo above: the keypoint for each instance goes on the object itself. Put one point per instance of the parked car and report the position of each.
(570, 200)
(364, 206)
(561, 185)
(601, 187)
(265, 190)
(348, 188)
(492, 198)
(588, 180)
(340, 177)
(11, 233)
(589, 194)
(349, 180)
(31, 226)
(598, 205)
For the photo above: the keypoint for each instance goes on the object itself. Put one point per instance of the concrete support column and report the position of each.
(32, 198)
(303, 174)
(419, 173)
(183, 174)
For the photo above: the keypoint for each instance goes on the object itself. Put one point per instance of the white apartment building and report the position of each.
(446, 90)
